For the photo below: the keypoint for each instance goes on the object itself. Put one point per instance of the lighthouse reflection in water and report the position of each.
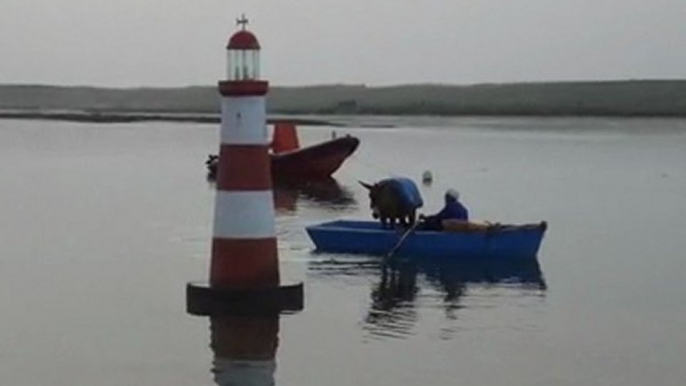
(244, 349)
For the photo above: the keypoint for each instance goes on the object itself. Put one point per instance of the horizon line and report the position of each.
(360, 85)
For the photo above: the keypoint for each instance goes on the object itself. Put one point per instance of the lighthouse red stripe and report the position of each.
(243, 87)
(244, 263)
(244, 167)
(247, 338)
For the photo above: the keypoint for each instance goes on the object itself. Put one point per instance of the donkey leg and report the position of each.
(403, 221)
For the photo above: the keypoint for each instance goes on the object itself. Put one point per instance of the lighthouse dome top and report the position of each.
(243, 39)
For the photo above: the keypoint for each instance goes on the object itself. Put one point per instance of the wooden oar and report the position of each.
(401, 241)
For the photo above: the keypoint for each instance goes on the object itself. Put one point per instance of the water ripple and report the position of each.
(406, 291)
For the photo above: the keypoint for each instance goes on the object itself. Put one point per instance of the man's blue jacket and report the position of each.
(453, 210)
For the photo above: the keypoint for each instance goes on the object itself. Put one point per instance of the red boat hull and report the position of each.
(313, 162)
(310, 163)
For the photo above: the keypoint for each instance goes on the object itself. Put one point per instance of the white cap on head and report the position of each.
(453, 193)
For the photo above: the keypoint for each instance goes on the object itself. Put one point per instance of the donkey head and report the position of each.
(376, 196)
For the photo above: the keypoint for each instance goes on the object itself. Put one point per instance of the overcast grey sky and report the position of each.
(377, 42)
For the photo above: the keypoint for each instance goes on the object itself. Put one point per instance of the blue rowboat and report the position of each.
(367, 237)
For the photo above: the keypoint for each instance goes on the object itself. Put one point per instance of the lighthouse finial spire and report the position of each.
(243, 21)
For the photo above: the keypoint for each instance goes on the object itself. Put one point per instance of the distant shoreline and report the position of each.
(132, 117)
(298, 119)
(200, 104)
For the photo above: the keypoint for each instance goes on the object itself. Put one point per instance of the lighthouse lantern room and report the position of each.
(243, 55)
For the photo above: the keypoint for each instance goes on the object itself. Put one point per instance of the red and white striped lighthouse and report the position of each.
(244, 251)
(244, 248)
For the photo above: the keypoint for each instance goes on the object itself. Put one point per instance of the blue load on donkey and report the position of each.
(394, 199)
(408, 192)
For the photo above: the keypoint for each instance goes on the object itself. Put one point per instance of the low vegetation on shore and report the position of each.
(648, 98)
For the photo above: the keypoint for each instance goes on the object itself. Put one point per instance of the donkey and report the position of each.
(394, 199)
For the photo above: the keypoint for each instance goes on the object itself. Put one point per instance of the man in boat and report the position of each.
(452, 210)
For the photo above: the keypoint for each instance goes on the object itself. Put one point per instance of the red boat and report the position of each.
(289, 162)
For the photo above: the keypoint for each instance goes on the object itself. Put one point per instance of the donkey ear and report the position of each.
(369, 187)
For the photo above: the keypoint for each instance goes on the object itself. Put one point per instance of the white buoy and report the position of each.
(427, 177)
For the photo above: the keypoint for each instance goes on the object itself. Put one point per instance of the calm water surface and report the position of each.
(102, 226)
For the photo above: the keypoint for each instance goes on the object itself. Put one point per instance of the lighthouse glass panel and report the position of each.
(243, 64)
(256, 63)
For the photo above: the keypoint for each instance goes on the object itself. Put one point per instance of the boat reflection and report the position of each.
(244, 349)
(392, 311)
(326, 193)
(398, 285)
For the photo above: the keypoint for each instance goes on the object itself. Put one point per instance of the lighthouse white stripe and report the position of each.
(244, 214)
(244, 121)
(230, 371)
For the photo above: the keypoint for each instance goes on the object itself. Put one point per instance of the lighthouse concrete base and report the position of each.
(204, 300)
